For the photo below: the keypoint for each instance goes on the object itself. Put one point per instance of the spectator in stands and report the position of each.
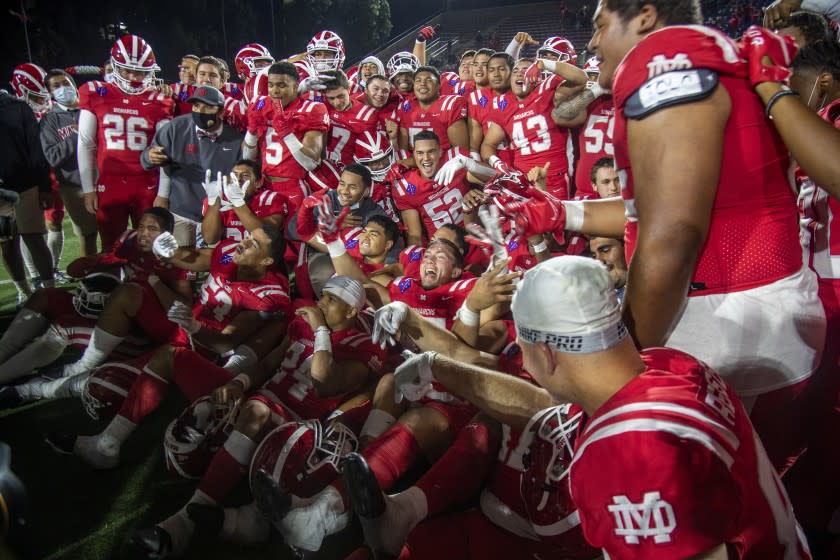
(186, 147)
(24, 170)
(59, 138)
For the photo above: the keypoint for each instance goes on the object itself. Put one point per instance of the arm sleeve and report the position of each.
(828, 8)
(514, 48)
(86, 152)
(56, 149)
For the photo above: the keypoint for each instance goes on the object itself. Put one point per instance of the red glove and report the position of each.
(426, 33)
(307, 224)
(533, 75)
(396, 173)
(769, 55)
(281, 122)
(329, 225)
(542, 213)
(256, 120)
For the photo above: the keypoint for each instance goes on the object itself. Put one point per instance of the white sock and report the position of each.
(241, 359)
(55, 242)
(240, 447)
(377, 423)
(118, 429)
(43, 351)
(405, 510)
(61, 388)
(245, 525)
(101, 344)
(27, 260)
(26, 325)
(179, 525)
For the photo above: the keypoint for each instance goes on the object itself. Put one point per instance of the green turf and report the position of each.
(80, 514)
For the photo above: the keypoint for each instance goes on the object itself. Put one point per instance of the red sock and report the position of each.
(144, 397)
(195, 375)
(459, 474)
(227, 467)
(391, 454)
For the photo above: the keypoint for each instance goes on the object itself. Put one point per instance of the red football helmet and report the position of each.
(303, 457)
(329, 43)
(401, 62)
(547, 463)
(107, 387)
(196, 435)
(592, 66)
(247, 59)
(558, 48)
(325, 176)
(374, 151)
(29, 84)
(132, 53)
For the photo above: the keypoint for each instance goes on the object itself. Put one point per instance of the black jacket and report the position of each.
(22, 161)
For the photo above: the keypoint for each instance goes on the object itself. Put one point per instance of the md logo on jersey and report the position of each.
(405, 285)
(482, 101)
(101, 91)
(503, 104)
(652, 517)
(261, 103)
(410, 188)
(352, 244)
(513, 245)
(453, 81)
(183, 96)
(226, 259)
(406, 107)
(415, 256)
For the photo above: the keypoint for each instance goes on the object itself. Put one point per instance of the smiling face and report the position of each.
(404, 82)
(372, 241)
(612, 40)
(254, 251)
(438, 266)
(479, 69)
(351, 189)
(426, 87)
(208, 75)
(367, 70)
(518, 86)
(427, 157)
(465, 69)
(377, 92)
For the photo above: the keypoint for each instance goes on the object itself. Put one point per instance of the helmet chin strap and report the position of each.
(811, 95)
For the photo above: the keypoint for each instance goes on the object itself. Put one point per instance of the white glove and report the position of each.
(181, 314)
(413, 378)
(491, 234)
(387, 321)
(446, 174)
(312, 83)
(234, 192)
(165, 246)
(596, 89)
(212, 188)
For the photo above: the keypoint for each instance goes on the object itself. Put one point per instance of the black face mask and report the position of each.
(205, 121)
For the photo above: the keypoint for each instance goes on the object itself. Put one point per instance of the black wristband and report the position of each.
(776, 96)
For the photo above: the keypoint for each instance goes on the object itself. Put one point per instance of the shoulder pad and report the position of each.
(670, 88)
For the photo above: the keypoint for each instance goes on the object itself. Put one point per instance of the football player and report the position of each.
(445, 115)
(694, 228)
(29, 85)
(287, 133)
(349, 119)
(527, 125)
(496, 97)
(323, 359)
(374, 151)
(249, 61)
(117, 121)
(325, 51)
(603, 178)
(460, 83)
(241, 205)
(369, 66)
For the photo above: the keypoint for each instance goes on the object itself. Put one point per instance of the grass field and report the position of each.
(80, 514)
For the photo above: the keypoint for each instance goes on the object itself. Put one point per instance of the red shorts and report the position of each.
(55, 214)
(59, 303)
(152, 320)
(295, 190)
(121, 198)
(197, 376)
(457, 415)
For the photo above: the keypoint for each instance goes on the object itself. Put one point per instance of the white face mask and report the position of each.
(65, 95)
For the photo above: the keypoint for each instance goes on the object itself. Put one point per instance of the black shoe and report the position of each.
(61, 442)
(272, 502)
(52, 371)
(362, 487)
(152, 543)
(10, 398)
(208, 519)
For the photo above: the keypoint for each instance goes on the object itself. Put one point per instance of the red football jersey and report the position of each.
(263, 204)
(436, 204)
(820, 215)
(292, 385)
(351, 243)
(451, 84)
(535, 138)
(234, 90)
(277, 159)
(137, 265)
(125, 125)
(438, 117)
(595, 141)
(670, 467)
(485, 107)
(438, 304)
(345, 127)
(222, 296)
(753, 237)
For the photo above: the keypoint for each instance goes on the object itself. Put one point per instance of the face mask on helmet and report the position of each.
(402, 62)
(93, 292)
(191, 440)
(124, 81)
(325, 51)
(374, 151)
(556, 427)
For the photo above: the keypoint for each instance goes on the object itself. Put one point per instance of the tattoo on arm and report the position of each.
(570, 109)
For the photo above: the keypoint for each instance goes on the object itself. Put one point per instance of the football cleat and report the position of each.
(61, 442)
(151, 543)
(272, 502)
(10, 397)
(208, 519)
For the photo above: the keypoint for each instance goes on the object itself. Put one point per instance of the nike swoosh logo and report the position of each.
(144, 103)
(226, 149)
